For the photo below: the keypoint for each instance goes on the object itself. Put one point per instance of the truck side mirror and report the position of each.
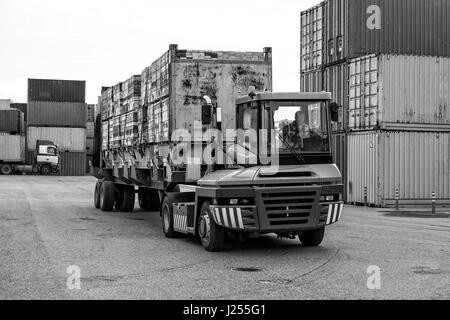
(206, 114)
(334, 112)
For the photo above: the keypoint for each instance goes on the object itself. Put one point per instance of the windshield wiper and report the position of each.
(292, 150)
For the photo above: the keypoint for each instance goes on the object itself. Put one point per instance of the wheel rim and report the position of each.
(6, 170)
(45, 170)
(166, 218)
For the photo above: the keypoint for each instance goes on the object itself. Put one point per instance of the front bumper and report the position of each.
(280, 210)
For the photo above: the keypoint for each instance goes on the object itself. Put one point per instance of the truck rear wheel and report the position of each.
(6, 169)
(46, 170)
(312, 238)
(167, 218)
(212, 235)
(149, 199)
(97, 193)
(107, 196)
(125, 202)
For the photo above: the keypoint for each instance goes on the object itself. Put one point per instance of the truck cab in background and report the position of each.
(277, 176)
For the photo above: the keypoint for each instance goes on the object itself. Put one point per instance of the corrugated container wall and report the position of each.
(311, 38)
(67, 139)
(73, 164)
(57, 114)
(311, 81)
(335, 80)
(11, 121)
(12, 148)
(388, 89)
(56, 90)
(339, 143)
(408, 27)
(415, 163)
(22, 107)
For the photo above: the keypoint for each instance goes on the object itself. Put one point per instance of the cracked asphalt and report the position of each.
(49, 224)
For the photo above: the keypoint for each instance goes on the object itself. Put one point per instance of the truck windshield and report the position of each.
(301, 126)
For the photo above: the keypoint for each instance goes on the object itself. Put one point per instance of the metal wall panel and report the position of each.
(56, 90)
(57, 114)
(68, 139)
(11, 121)
(398, 89)
(12, 148)
(415, 163)
(90, 129)
(22, 107)
(73, 164)
(311, 38)
(90, 149)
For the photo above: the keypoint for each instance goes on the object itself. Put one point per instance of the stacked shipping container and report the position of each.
(171, 92)
(385, 63)
(56, 111)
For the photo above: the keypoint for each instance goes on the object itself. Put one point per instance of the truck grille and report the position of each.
(289, 208)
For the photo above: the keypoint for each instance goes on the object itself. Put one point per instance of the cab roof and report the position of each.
(285, 96)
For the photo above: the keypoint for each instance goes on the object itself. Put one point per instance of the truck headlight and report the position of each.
(234, 202)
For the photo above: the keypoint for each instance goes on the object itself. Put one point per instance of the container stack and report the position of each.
(56, 111)
(121, 106)
(387, 65)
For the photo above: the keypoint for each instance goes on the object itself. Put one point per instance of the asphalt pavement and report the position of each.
(49, 226)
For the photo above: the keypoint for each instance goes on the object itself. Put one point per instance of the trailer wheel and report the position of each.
(107, 196)
(212, 235)
(46, 170)
(6, 169)
(97, 193)
(167, 218)
(312, 238)
(127, 199)
(149, 199)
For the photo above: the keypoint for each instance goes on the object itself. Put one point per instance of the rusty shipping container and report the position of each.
(22, 107)
(56, 90)
(56, 114)
(12, 148)
(67, 139)
(414, 162)
(188, 75)
(387, 91)
(11, 121)
(311, 81)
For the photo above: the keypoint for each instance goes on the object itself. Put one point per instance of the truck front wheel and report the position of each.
(167, 218)
(312, 238)
(211, 235)
(46, 170)
(107, 196)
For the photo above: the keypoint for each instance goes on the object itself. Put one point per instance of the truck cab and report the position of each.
(284, 181)
(47, 157)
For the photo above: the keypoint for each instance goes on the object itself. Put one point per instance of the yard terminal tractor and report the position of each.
(274, 174)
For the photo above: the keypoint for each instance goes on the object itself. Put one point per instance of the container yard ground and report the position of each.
(48, 224)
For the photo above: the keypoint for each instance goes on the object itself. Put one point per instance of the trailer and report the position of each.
(223, 161)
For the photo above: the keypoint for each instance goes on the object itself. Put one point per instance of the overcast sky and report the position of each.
(105, 42)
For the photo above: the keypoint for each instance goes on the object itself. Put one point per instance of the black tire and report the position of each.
(312, 238)
(212, 236)
(107, 196)
(127, 199)
(97, 193)
(6, 169)
(167, 218)
(149, 199)
(46, 170)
